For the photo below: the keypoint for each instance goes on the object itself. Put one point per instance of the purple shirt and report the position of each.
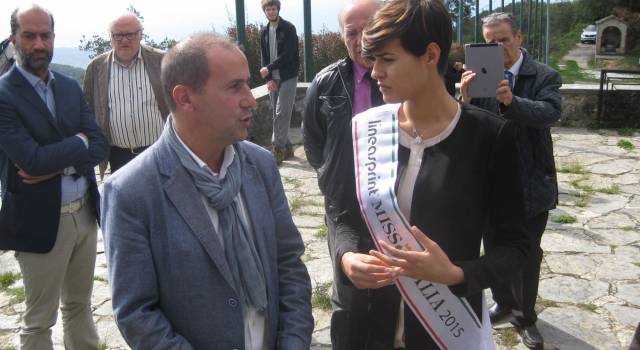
(362, 89)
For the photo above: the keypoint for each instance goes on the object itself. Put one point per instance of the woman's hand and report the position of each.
(432, 264)
(366, 271)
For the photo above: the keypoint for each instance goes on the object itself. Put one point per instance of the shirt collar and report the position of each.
(229, 154)
(359, 71)
(114, 59)
(34, 79)
(515, 69)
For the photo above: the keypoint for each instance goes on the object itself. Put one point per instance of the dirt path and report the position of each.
(582, 54)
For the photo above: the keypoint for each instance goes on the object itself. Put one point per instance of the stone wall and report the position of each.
(579, 109)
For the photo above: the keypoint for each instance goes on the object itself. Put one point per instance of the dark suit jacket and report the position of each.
(170, 280)
(32, 140)
(536, 105)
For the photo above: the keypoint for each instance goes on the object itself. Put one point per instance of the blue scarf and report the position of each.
(223, 195)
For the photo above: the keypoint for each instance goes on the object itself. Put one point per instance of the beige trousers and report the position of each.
(65, 274)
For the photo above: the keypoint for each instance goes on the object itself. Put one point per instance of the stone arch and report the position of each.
(611, 39)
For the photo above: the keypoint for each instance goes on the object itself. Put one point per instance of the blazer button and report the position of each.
(232, 302)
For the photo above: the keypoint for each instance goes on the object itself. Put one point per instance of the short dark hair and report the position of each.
(265, 3)
(15, 25)
(417, 23)
(497, 18)
(187, 63)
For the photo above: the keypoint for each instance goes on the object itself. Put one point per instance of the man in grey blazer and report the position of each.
(202, 250)
(124, 91)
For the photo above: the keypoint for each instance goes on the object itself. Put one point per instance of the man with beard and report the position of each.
(337, 93)
(49, 146)
(279, 49)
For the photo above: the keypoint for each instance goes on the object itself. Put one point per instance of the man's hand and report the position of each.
(264, 71)
(32, 180)
(504, 94)
(366, 271)
(272, 86)
(466, 78)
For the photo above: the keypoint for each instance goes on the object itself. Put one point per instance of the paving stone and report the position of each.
(571, 241)
(9, 323)
(626, 315)
(615, 236)
(614, 167)
(578, 265)
(567, 289)
(570, 328)
(611, 220)
(308, 221)
(618, 268)
(8, 262)
(605, 203)
(629, 292)
(109, 333)
(320, 270)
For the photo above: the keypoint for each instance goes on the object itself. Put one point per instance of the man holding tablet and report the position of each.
(529, 96)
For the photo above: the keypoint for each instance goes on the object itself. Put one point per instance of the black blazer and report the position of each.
(32, 140)
(288, 60)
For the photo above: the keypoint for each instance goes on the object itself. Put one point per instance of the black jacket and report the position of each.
(536, 106)
(287, 61)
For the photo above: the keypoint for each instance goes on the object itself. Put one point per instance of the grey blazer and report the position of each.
(170, 281)
(96, 87)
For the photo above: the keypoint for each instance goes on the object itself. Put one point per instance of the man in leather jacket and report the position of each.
(337, 93)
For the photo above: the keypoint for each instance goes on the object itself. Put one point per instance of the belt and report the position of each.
(74, 206)
(131, 150)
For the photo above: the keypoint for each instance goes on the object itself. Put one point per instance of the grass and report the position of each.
(17, 294)
(626, 144)
(613, 189)
(573, 169)
(321, 233)
(637, 264)
(626, 131)
(297, 203)
(571, 73)
(584, 193)
(587, 307)
(627, 228)
(102, 345)
(562, 44)
(507, 337)
(564, 219)
(306, 258)
(100, 279)
(291, 181)
(545, 303)
(320, 298)
(7, 279)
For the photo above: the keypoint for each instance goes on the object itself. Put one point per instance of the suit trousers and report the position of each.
(521, 292)
(282, 104)
(65, 274)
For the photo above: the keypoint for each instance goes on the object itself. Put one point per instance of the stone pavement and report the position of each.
(590, 283)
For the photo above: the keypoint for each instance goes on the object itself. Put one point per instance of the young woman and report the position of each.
(456, 172)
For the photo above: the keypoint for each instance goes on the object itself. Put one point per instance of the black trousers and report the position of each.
(118, 157)
(521, 292)
(362, 319)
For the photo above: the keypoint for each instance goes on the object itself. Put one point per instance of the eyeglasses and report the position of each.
(129, 36)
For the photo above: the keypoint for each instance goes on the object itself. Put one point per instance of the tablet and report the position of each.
(487, 61)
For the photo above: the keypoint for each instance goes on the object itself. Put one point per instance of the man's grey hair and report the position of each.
(15, 25)
(498, 18)
(127, 14)
(187, 63)
(349, 6)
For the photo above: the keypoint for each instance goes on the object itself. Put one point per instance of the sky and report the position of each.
(173, 19)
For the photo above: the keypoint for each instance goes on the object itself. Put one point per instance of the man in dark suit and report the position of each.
(49, 145)
(203, 253)
(529, 97)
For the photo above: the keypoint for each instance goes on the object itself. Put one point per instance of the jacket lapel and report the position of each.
(29, 93)
(185, 197)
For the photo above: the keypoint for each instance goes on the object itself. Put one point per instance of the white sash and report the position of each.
(448, 319)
